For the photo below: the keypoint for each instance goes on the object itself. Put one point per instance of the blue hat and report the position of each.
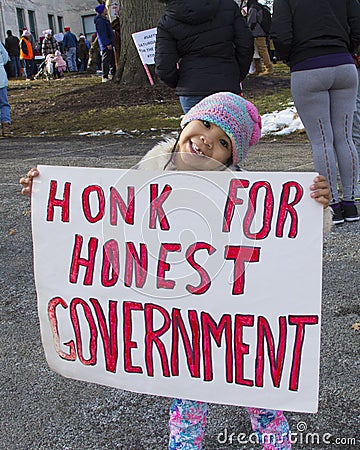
(100, 8)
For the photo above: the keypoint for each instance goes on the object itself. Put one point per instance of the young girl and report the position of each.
(60, 64)
(216, 133)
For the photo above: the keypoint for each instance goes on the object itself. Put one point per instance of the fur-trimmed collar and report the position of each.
(158, 156)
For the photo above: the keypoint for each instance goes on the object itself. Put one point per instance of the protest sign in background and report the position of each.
(197, 285)
(145, 45)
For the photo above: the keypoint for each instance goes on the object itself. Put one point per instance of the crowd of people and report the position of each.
(23, 52)
(64, 51)
(57, 54)
(203, 48)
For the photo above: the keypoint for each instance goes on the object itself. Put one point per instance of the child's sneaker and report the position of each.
(337, 214)
(350, 212)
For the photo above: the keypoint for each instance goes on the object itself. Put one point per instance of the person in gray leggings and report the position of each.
(356, 127)
(325, 100)
(317, 40)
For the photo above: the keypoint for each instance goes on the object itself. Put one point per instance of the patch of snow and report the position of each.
(282, 122)
(277, 123)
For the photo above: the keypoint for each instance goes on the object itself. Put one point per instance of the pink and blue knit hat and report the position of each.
(236, 116)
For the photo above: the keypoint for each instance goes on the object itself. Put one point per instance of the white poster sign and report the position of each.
(145, 45)
(113, 9)
(59, 37)
(197, 285)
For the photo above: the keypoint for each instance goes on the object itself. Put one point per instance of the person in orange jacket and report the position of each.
(27, 54)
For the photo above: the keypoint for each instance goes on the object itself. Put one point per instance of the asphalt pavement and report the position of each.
(43, 410)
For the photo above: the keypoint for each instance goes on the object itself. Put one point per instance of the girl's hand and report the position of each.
(320, 191)
(26, 182)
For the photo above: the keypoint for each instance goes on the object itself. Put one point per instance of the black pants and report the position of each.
(108, 62)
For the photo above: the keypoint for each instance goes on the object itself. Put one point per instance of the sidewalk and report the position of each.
(42, 410)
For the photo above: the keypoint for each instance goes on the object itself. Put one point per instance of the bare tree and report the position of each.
(135, 15)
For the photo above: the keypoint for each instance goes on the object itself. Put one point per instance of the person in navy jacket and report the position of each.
(106, 41)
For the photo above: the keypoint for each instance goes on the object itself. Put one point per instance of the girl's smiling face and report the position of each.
(203, 145)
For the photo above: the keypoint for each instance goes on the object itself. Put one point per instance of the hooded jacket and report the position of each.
(303, 29)
(104, 31)
(203, 47)
(158, 157)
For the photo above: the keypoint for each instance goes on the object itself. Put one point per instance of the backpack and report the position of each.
(266, 18)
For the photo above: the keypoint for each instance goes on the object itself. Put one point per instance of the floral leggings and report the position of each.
(188, 418)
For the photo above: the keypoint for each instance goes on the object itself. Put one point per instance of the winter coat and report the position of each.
(59, 62)
(303, 29)
(254, 18)
(26, 50)
(203, 47)
(69, 40)
(158, 157)
(4, 58)
(49, 46)
(33, 43)
(12, 45)
(83, 51)
(104, 31)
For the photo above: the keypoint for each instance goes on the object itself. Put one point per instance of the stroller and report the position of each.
(47, 69)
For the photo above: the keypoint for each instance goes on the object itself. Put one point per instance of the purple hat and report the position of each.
(100, 8)
(237, 117)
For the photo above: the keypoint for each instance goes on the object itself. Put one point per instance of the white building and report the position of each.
(39, 15)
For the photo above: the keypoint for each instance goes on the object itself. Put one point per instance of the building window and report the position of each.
(88, 25)
(60, 23)
(51, 22)
(21, 20)
(32, 28)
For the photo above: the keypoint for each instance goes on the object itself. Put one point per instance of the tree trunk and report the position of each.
(135, 15)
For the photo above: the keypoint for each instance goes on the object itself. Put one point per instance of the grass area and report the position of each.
(277, 94)
(82, 103)
(134, 118)
(271, 102)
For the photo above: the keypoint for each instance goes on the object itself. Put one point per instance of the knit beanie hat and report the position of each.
(100, 8)
(237, 117)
